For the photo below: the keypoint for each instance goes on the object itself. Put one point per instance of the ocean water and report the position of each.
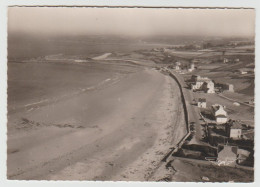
(34, 82)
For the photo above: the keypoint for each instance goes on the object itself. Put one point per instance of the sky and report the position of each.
(132, 21)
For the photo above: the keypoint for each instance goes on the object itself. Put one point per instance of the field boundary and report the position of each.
(233, 100)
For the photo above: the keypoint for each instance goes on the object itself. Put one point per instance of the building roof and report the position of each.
(217, 107)
(210, 81)
(228, 151)
(243, 152)
(235, 125)
(202, 100)
(221, 116)
(202, 78)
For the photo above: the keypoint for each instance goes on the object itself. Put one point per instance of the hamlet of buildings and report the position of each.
(202, 84)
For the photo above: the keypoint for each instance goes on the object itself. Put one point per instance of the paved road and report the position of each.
(193, 111)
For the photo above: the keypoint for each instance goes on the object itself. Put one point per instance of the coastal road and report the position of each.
(193, 111)
(115, 133)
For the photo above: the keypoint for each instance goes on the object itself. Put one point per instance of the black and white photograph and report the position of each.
(147, 94)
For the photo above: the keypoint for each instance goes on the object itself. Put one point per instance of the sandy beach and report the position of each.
(119, 131)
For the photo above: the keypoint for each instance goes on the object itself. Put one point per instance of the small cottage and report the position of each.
(234, 129)
(219, 113)
(202, 103)
(230, 87)
(209, 87)
(227, 155)
(192, 66)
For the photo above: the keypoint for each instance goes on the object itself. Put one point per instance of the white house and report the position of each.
(192, 67)
(230, 87)
(234, 129)
(219, 113)
(202, 103)
(208, 87)
(235, 133)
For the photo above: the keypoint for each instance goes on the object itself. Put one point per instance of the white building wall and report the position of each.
(235, 133)
(210, 87)
(198, 84)
(221, 120)
(202, 104)
(231, 88)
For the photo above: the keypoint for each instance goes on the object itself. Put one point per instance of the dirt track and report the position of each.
(117, 133)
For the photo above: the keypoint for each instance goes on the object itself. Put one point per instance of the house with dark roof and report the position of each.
(194, 78)
(233, 129)
(227, 155)
(202, 103)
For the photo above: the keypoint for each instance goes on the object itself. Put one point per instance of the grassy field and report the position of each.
(229, 73)
(193, 171)
(241, 112)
